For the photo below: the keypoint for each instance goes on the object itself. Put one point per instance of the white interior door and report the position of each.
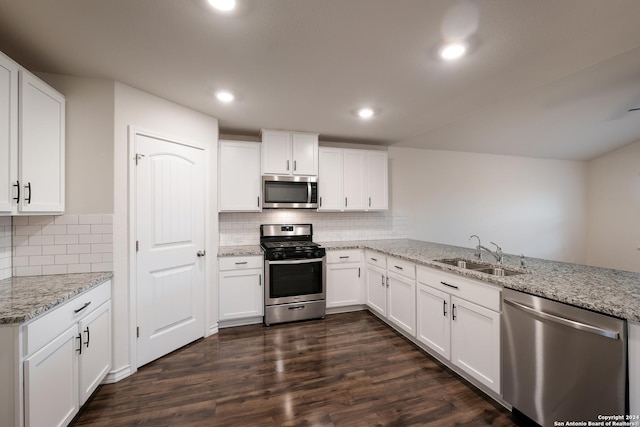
(169, 228)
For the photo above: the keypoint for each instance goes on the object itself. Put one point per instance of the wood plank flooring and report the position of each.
(347, 370)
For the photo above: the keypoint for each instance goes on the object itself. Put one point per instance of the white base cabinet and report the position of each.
(391, 291)
(241, 290)
(51, 365)
(345, 278)
(455, 328)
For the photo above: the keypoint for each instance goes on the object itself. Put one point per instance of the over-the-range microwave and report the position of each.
(289, 192)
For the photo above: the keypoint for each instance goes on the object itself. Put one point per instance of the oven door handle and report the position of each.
(296, 261)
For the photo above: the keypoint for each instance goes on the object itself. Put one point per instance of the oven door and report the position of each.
(294, 281)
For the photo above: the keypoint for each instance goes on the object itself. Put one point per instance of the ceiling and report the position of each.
(547, 78)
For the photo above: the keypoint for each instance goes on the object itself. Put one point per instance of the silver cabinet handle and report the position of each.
(369, 201)
(78, 310)
(258, 201)
(398, 267)
(287, 164)
(358, 271)
(259, 279)
(444, 308)
(345, 202)
(344, 257)
(374, 259)
(566, 322)
(453, 311)
(241, 262)
(295, 166)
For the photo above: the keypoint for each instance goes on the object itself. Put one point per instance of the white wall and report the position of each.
(529, 206)
(150, 113)
(89, 142)
(614, 209)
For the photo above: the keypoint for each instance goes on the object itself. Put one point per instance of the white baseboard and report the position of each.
(118, 374)
(345, 309)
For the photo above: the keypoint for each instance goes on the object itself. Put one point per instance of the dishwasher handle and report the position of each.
(566, 322)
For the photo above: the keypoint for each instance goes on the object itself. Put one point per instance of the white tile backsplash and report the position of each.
(5, 247)
(73, 243)
(244, 228)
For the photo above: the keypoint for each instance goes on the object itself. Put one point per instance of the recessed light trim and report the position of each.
(223, 5)
(452, 51)
(225, 96)
(365, 113)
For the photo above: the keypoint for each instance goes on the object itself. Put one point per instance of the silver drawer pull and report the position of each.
(86, 304)
(451, 286)
(344, 257)
(241, 263)
(300, 307)
(374, 259)
(399, 268)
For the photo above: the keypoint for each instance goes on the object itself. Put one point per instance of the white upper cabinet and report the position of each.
(239, 176)
(355, 176)
(41, 146)
(352, 180)
(8, 134)
(32, 143)
(330, 176)
(289, 153)
(377, 180)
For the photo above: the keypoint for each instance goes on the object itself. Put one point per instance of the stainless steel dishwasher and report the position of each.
(562, 363)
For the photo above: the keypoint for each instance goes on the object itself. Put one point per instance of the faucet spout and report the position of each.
(478, 253)
(498, 255)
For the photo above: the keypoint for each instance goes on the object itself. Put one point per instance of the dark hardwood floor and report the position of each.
(347, 370)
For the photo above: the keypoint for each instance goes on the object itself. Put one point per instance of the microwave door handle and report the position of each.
(308, 192)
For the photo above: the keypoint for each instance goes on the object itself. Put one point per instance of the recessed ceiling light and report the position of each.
(225, 96)
(365, 113)
(224, 5)
(452, 51)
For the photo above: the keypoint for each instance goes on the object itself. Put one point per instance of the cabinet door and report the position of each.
(305, 153)
(239, 176)
(377, 181)
(276, 152)
(241, 294)
(434, 326)
(402, 303)
(376, 290)
(330, 179)
(95, 359)
(8, 134)
(354, 180)
(41, 146)
(344, 284)
(51, 382)
(475, 341)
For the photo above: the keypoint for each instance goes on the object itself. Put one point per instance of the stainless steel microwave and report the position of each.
(289, 192)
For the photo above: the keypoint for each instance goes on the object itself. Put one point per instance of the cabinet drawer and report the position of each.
(240, 263)
(401, 267)
(482, 294)
(377, 259)
(340, 256)
(51, 324)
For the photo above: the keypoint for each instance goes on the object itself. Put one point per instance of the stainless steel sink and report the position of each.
(479, 267)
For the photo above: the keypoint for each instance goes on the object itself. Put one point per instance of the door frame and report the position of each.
(133, 285)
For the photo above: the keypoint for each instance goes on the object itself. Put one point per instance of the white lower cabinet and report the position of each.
(241, 290)
(51, 382)
(345, 284)
(464, 332)
(64, 354)
(391, 290)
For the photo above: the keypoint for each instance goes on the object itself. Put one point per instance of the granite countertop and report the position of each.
(247, 250)
(24, 298)
(604, 290)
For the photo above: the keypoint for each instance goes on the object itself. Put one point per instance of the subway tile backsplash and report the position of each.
(244, 228)
(5, 247)
(60, 244)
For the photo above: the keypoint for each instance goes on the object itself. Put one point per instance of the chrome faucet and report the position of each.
(497, 254)
(478, 253)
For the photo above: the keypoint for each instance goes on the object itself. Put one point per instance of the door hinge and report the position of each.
(138, 157)
(137, 331)
(137, 246)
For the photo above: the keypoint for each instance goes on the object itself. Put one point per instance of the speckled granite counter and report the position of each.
(608, 291)
(23, 298)
(247, 250)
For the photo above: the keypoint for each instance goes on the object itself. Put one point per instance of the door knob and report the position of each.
(201, 253)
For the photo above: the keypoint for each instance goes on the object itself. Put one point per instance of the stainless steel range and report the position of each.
(294, 269)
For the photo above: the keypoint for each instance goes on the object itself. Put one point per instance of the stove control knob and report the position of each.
(284, 255)
(276, 256)
(316, 254)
